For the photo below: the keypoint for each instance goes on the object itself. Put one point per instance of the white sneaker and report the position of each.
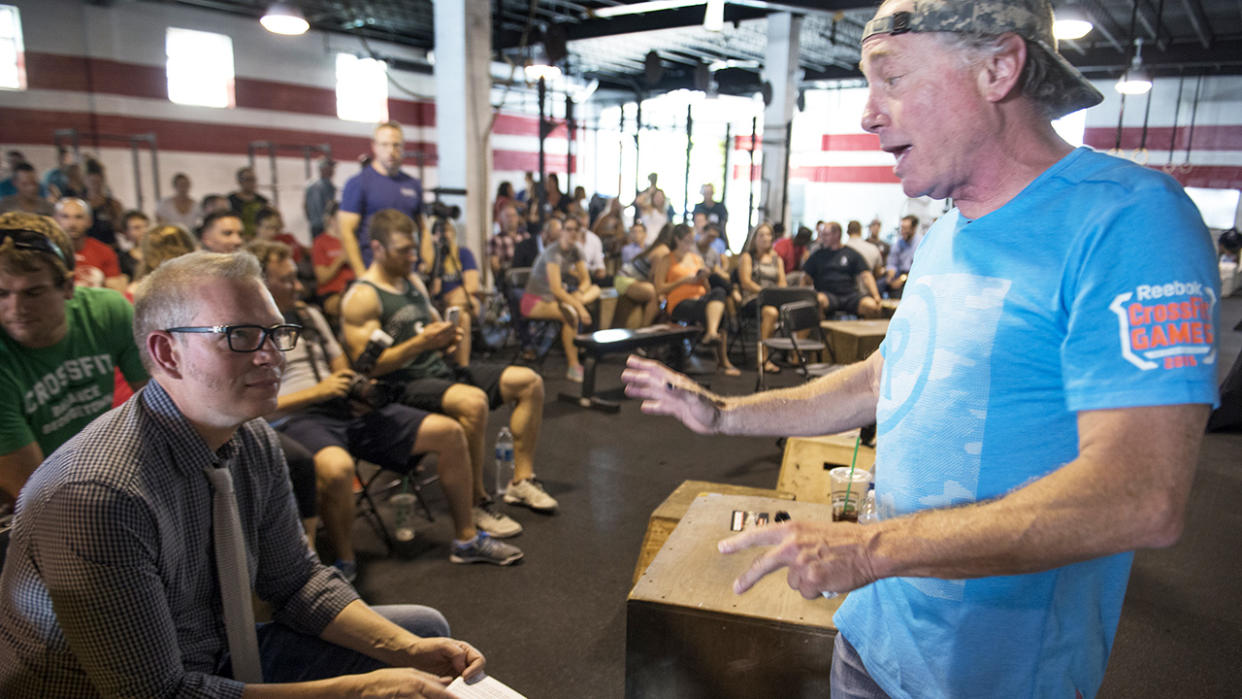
(575, 374)
(494, 522)
(530, 492)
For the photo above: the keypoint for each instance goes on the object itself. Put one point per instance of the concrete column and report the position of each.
(463, 109)
(780, 69)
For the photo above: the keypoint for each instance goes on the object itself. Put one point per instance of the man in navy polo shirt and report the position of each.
(381, 185)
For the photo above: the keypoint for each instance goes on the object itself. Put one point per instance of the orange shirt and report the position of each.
(687, 266)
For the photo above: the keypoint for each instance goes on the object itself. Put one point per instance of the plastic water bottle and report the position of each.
(867, 513)
(403, 512)
(504, 460)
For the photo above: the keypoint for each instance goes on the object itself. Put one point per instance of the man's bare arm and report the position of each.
(1126, 490)
(839, 401)
(360, 316)
(16, 467)
(348, 223)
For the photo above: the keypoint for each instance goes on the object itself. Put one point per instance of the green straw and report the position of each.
(850, 484)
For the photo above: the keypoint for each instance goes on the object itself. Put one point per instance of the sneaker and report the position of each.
(349, 569)
(495, 522)
(485, 549)
(575, 373)
(530, 493)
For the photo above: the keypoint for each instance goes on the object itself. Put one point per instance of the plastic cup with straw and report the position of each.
(828, 594)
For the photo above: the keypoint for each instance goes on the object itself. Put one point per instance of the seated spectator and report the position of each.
(318, 408)
(901, 256)
(319, 196)
(504, 197)
(454, 279)
(652, 208)
(391, 298)
(761, 268)
(221, 231)
(134, 225)
(179, 209)
(682, 278)
(270, 225)
(211, 204)
(870, 253)
(610, 227)
(793, 251)
(105, 211)
(65, 180)
(643, 265)
(26, 197)
(8, 188)
(332, 270)
(635, 241)
(95, 264)
(873, 237)
(530, 248)
(838, 272)
(502, 246)
(58, 348)
(633, 284)
(110, 587)
(712, 258)
(547, 296)
(247, 201)
(159, 245)
(592, 249)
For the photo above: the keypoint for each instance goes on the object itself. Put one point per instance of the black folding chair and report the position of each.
(537, 333)
(776, 296)
(369, 491)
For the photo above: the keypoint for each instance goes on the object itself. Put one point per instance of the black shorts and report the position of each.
(384, 437)
(847, 303)
(428, 394)
(695, 310)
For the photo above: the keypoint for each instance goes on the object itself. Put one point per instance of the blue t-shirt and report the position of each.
(452, 280)
(1096, 287)
(369, 191)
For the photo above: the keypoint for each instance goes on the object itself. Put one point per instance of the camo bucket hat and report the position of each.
(1029, 19)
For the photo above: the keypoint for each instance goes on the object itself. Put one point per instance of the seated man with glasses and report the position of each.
(139, 543)
(338, 415)
(58, 346)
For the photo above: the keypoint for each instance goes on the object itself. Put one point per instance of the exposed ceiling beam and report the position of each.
(1199, 20)
(1106, 25)
(1148, 17)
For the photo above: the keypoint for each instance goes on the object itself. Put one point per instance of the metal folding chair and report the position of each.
(776, 296)
(369, 491)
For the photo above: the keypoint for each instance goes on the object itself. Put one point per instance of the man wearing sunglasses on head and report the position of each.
(58, 346)
(138, 545)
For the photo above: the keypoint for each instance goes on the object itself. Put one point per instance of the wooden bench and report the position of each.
(601, 343)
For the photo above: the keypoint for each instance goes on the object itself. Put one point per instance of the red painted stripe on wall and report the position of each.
(1208, 176)
(850, 141)
(32, 126)
(50, 71)
(522, 125)
(1207, 138)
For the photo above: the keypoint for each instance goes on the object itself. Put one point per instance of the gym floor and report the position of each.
(553, 625)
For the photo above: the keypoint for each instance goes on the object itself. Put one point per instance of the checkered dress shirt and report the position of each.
(110, 588)
(502, 245)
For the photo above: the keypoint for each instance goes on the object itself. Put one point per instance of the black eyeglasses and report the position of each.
(249, 338)
(26, 239)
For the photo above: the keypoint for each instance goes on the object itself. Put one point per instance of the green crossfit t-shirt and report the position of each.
(47, 395)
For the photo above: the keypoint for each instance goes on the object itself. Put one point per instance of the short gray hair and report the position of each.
(166, 297)
(1040, 81)
(60, 204)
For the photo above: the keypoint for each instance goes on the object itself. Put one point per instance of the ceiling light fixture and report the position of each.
(1071, 22)
(282, 18)
(538, 67)
(1136, 80)
(639, 8)
(713, 18)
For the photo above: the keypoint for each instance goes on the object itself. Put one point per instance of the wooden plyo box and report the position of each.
(689, 636)
(807, 460)
(854, 340)
(665, 517)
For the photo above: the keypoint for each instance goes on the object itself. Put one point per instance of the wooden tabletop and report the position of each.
(689, 571)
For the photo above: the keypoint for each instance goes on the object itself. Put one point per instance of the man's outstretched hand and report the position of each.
(666, 392)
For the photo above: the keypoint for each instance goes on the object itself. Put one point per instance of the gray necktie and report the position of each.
(234, 578)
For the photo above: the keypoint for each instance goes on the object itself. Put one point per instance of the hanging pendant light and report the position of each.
(1071, 22)
(1137, 79)
(283, 18)
(538, 67)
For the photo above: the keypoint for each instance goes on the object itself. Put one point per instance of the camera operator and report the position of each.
(323, 405)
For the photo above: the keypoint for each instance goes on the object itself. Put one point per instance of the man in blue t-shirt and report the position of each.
(1040, 396)
(380, 185)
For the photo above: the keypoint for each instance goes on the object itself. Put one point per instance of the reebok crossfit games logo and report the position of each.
(1167, 325)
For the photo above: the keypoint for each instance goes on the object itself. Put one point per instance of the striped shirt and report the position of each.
(110, 585)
